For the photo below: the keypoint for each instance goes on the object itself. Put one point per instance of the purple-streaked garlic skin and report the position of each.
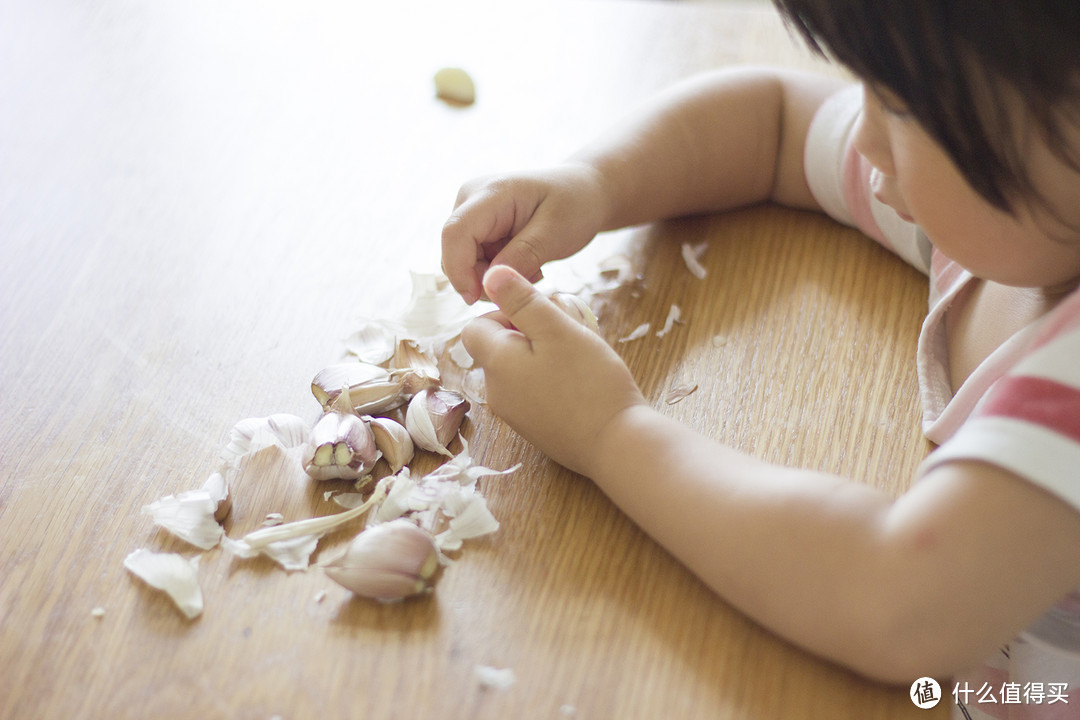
(387, 562)
(342, 447)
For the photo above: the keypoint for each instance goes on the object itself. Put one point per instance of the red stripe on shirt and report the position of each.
(1051, 404)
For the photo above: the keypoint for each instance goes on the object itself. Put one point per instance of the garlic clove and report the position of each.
(455, 85)
(328, 382)
(172, 574)
(434, 418)
(374, 396)
(577, 309)
(393, 441)
(387, 562)
(342, 447)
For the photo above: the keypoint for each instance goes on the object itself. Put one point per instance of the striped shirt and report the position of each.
(1019, 410)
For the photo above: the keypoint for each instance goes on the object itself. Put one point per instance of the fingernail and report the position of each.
(496, 278)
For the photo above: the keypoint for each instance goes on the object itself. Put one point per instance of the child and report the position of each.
(959, 151)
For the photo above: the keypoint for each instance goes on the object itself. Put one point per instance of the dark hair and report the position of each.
(945, 60)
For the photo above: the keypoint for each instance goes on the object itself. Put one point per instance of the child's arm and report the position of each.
(926, 585)
(727, 139)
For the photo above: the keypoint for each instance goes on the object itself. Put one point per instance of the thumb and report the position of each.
(528, 310)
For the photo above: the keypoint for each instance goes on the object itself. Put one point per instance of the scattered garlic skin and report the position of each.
(342, 448)
(393, 441)
(577, 309)
(434, 418)
(387, 562)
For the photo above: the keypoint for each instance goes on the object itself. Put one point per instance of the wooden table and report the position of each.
(198, 197)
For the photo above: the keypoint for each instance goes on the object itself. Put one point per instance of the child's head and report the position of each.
(978, 75)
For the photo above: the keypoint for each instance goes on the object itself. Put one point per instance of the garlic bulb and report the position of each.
(342, 448)
(387, 562)
(434, 418)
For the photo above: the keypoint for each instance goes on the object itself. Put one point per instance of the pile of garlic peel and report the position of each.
(385, 404)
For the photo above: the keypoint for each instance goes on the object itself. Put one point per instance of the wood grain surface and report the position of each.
(198, 200)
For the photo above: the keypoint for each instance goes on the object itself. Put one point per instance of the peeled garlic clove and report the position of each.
(328, 382)
(387, 562)
(577, 309)
(434, 418)
(342, 448)
(393, 441)
(454, 84)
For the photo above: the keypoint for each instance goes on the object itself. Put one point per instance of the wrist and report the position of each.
(601, 190)
(625, 433)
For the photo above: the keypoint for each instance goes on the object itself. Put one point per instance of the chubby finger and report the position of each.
(482, 336)
(476, 225)
(522, 305)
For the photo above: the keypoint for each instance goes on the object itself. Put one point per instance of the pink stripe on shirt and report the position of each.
(1048, 403)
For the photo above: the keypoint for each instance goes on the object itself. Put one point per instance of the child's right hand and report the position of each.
(522, 221)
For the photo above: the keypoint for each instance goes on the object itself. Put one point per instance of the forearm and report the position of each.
(928, 584)
(723, 140)
(797, 551)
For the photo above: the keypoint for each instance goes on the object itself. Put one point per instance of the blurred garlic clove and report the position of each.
(329, 381)
(434, 418)
(387, 562)
(393, 441)
(455, 85)
(342, 447)
(577, 309)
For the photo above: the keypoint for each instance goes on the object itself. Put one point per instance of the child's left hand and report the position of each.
(549, 377)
